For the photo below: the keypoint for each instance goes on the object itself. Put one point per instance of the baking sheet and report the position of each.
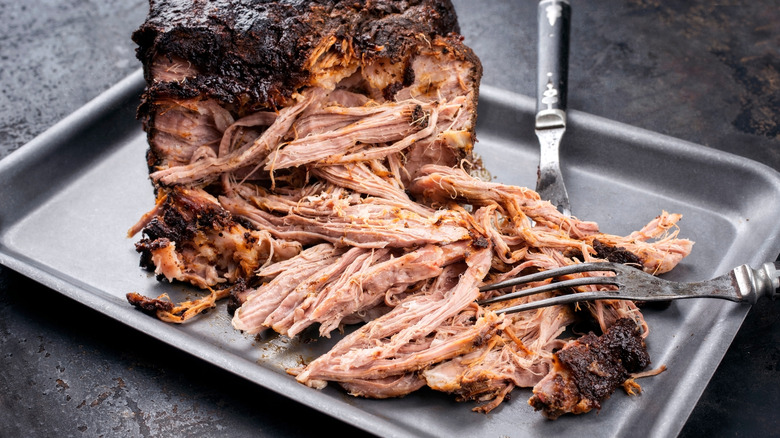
(69, 196)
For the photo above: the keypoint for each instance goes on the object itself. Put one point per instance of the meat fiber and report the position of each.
(250, 68)
(313, 161)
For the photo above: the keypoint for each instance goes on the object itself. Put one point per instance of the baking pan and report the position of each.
(69, 196)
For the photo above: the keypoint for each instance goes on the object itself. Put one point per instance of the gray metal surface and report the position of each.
(68, 232)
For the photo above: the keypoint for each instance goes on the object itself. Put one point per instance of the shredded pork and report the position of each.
(345, 193)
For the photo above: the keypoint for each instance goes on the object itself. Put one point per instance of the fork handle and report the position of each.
(764, 281)
(553, 59)
(773, 271)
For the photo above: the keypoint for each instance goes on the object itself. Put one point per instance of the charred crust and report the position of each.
(234, 299)
(196, 210)
(389, 91)
(244, 223)
(553, 403)
(615, 254)
(147, 247)
(171, 226)
(183, 215)
(600, 364)
(419, 117)
(249, 239)
(624, 337)
(475, 389)
(148, 305)
(610, 253)
(254, 55)
(408, 75)
(144, 247)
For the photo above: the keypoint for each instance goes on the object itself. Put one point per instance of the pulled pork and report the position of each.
(588, 370)
(314, 162)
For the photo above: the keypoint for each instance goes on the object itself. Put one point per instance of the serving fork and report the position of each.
(741, 284)
(552, 78)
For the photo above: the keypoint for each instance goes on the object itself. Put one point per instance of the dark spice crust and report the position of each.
(182, 215)
(253, 54)
(148, 305)
(600, 364)
(235, 299)
(588, 370)
(615, 254)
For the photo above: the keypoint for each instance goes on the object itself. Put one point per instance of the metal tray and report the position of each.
(69, 196)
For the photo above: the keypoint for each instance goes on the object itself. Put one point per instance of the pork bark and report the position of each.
(588, 370)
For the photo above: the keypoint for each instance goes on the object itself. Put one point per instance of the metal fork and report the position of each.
(554, 17)
(741, 284)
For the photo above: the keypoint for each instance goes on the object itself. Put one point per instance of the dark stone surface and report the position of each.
(707, 72)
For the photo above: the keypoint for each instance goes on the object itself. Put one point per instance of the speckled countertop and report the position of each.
(703, 71)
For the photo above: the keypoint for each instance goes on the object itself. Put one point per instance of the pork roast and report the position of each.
(313, 161)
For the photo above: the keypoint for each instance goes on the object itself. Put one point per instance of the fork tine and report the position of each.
(741, 284)
(552, 273)
(583, 281)
(562, 299)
